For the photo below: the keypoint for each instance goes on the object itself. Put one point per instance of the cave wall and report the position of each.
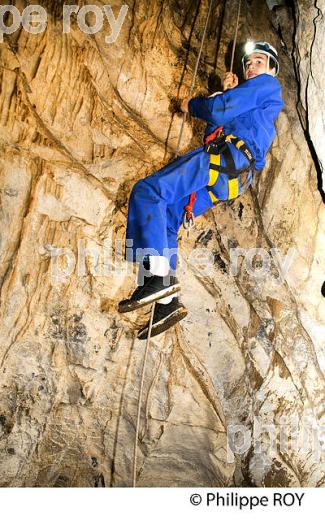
(81, 122)
(308, 55)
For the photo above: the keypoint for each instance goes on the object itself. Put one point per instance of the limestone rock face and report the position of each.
(234, 394)
(309, 50)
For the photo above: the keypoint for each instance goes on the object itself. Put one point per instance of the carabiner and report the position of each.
(188, 220)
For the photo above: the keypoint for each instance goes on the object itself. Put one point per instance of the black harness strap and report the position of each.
(220, 146)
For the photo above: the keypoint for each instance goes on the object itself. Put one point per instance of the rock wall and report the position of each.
(309, 48)
(234, 395)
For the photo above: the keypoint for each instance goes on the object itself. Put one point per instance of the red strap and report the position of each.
(213, 134)
(189, 207)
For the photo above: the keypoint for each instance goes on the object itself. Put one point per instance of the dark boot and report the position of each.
(165, 316)
(154, 288)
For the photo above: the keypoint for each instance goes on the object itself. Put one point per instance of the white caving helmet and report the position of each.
(264, 48)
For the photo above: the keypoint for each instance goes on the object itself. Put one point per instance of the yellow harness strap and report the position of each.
(233, 185)
(214, 174)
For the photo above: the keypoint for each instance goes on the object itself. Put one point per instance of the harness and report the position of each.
(216, 144)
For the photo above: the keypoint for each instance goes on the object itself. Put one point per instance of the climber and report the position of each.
(220, 170)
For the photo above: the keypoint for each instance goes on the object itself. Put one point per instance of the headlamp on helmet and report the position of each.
(263, 48)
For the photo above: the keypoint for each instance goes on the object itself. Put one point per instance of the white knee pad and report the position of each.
(159, 265)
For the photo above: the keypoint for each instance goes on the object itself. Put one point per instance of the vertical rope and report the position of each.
(197, 66)
(235, 38)
(194, 77)
(176, 155)
(140, 398)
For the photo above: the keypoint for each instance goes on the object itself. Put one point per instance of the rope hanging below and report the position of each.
(140, 398)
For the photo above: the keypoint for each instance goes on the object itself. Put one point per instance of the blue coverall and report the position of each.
(156, 205)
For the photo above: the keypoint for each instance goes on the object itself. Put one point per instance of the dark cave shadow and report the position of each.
(317, 164)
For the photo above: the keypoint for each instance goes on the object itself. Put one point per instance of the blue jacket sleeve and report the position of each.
(219, 110)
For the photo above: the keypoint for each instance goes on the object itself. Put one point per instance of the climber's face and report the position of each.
(256, 64)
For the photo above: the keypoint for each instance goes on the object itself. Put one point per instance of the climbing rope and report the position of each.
(190, 222)
(140, 398)
(194, 77)
(188, 218)
(235, 38)
(153, 306)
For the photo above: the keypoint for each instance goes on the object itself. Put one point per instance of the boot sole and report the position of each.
(163, 325)
(132, 305)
